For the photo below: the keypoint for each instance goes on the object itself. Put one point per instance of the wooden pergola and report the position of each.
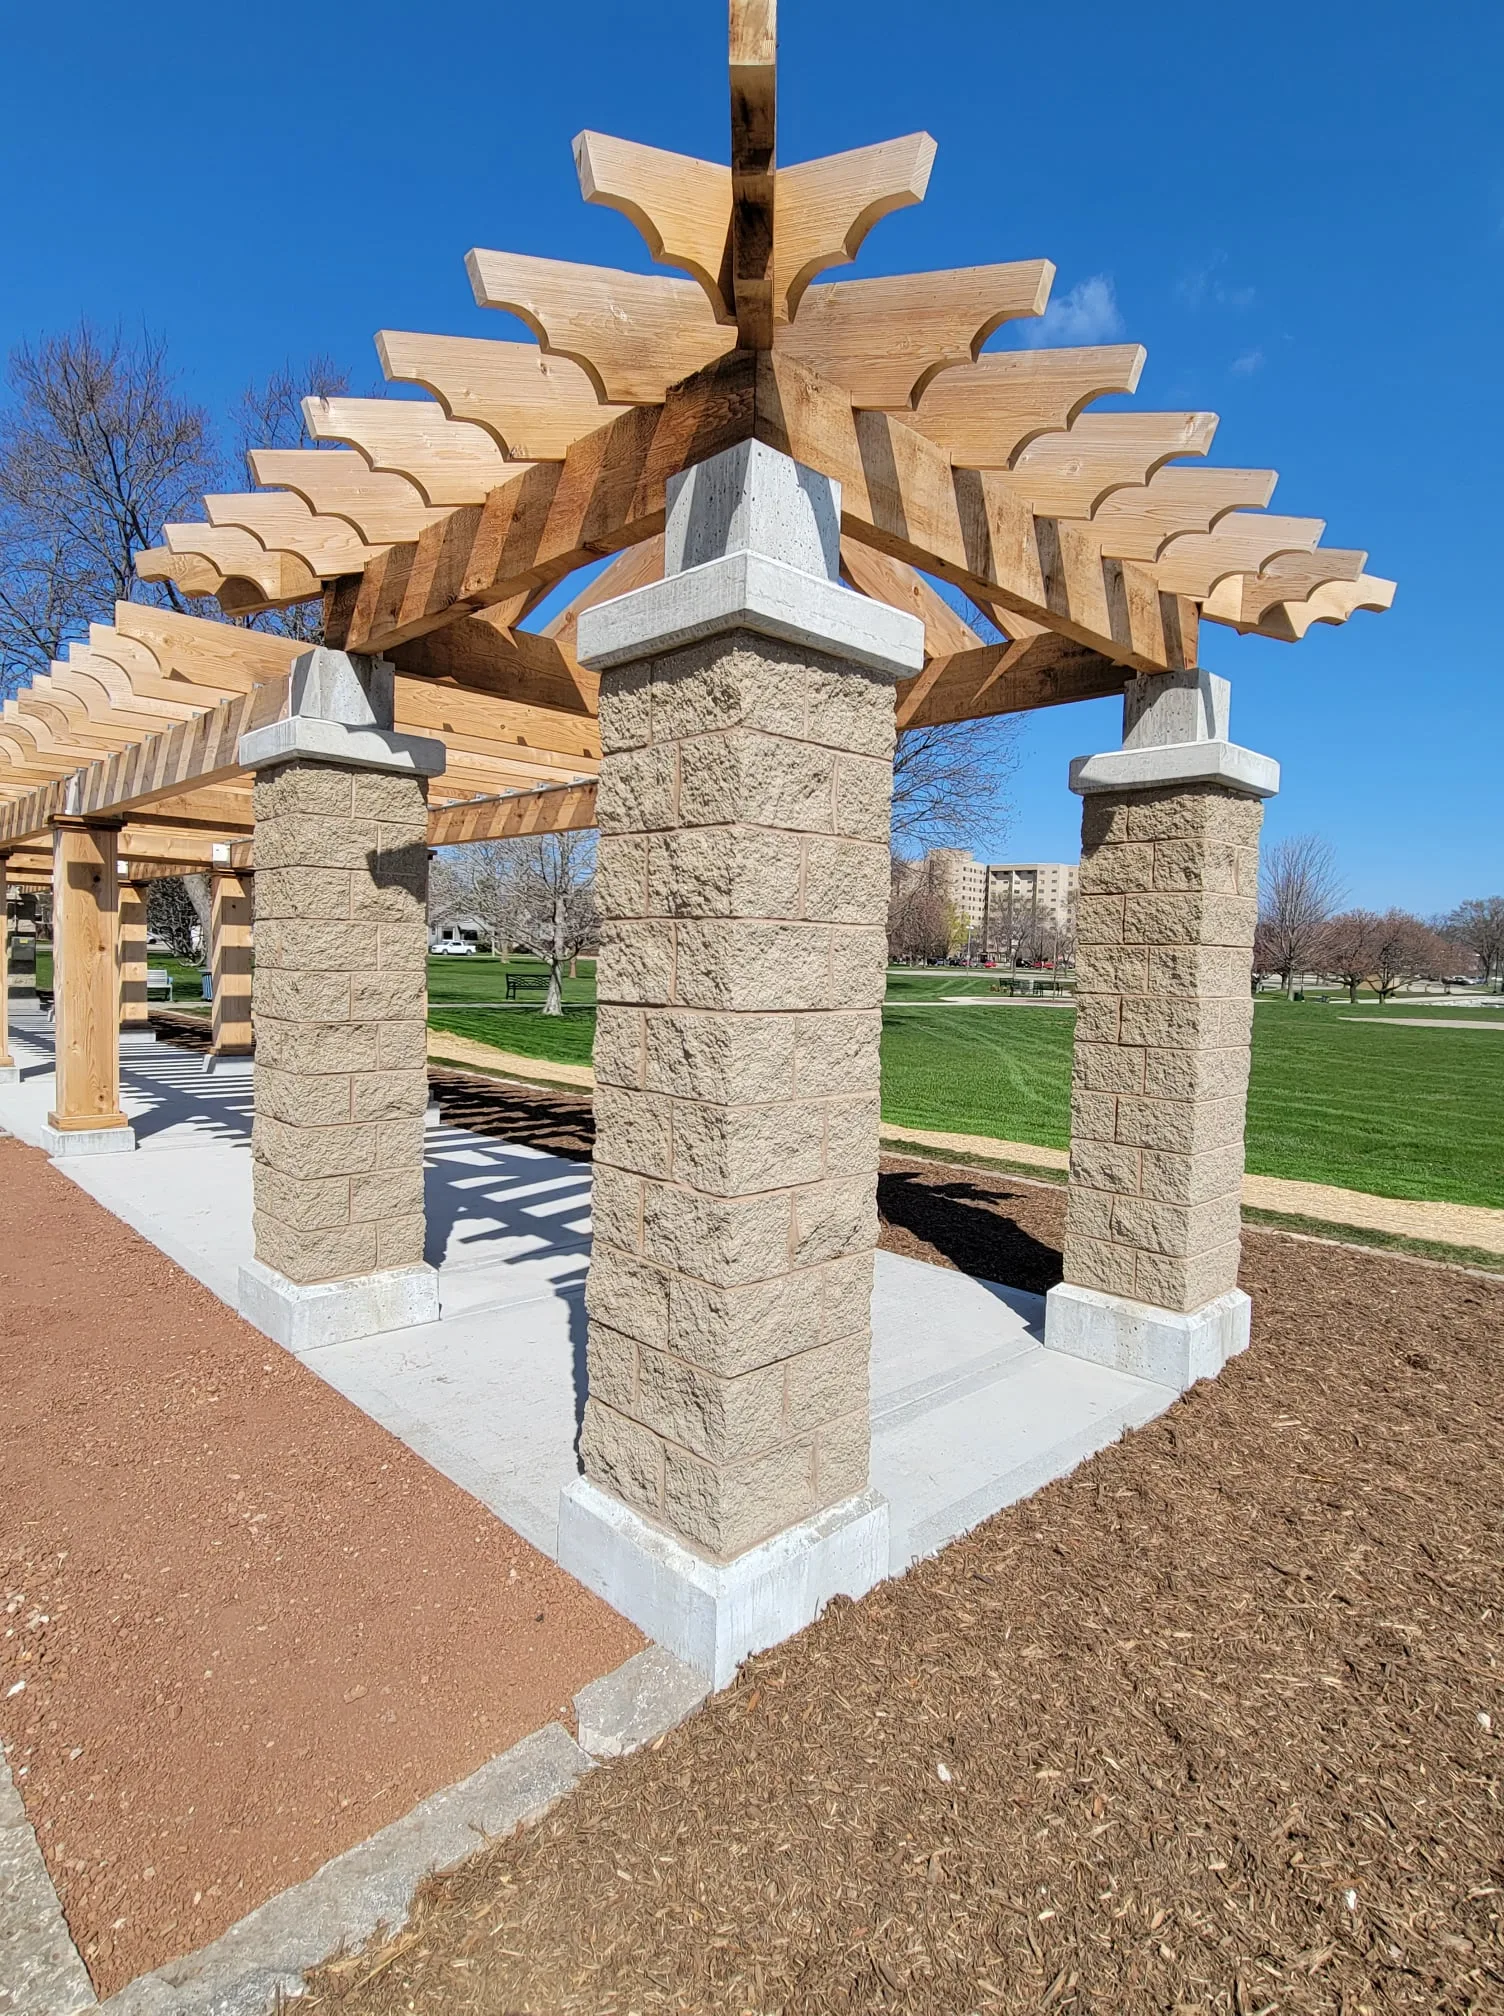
(1095, 542)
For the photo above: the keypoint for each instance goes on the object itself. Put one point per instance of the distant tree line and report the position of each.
(1303, 930)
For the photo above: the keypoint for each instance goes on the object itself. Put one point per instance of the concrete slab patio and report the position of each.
(969, 1411)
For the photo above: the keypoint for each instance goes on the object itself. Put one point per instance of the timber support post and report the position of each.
(747, 733)
(1164, 1016)
(340, 990)
(135, 1014)
(87, 1119)
(230, 961)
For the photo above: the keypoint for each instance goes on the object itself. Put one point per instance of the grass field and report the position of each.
(1400, 1112)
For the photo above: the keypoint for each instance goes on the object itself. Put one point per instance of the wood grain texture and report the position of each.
(984, 413)
(448, 461)
(533, 404)
(568, 809)
(379, 506)
(230, 963)
(753, 50)
(85, 919)
(681, 206)
(823, 210)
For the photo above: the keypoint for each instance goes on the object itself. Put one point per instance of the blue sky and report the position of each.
(1300, 212)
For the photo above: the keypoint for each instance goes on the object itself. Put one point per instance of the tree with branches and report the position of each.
(1478, 927)
(1298, 891)
(97, 451)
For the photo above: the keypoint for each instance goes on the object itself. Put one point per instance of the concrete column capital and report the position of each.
(752, 542)
(1175, 732)
(340, 710)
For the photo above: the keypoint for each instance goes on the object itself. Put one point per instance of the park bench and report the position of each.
(523, 983)
(158, 983)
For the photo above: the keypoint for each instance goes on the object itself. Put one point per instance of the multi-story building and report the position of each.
(1015, 908)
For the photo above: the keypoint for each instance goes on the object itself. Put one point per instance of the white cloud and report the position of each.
(1088, 314)
(1206, 286)
(1247, 364)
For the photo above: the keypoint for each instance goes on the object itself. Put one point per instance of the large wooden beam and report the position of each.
(1010, 678)
(568, 808)
(754, 136)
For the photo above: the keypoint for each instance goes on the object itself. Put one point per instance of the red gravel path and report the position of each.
(252, 1627)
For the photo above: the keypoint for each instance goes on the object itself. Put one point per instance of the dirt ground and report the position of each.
(1213, 1724)
(244, 1626)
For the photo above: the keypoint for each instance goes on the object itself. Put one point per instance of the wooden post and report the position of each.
(134, 1015)
(85, 920)
(7, 1062)
(230, 962)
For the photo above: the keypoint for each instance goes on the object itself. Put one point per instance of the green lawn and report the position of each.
(1398, 1112)
(481, 978)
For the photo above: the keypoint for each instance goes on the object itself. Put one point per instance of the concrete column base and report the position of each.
(9, 1073)
(301, 1316)
(1164, 1345)
(70, 1141)
(138, 1038)
(712, 1615)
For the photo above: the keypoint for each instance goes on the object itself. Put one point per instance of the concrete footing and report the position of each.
(10, 1074)
(138, 1039)
(1164, 1345)
(303, 1316)
(60, 1141)
(638, 1703)
(712, 1615)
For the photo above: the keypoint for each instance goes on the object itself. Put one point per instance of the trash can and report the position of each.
(208, 984)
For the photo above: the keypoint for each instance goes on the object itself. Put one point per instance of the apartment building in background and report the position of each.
(1017, 909)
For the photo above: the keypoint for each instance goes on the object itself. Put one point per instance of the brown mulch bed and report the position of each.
(1212, 1724)
(252, 1626)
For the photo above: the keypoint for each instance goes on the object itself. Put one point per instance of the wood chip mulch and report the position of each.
(1213, 1724)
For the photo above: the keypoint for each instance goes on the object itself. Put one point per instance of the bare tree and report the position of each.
(97, 452)
(1347, 946)
(550, 905)
(1404, 949)
(171, 911)
(949, 782)
(1478, 926)
(1298, 891)
(922, 922)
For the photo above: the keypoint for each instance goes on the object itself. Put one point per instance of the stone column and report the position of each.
(230, 961)
(135, 1015)
(1166, 911)
(87, 1119)
(747, 746)
(9, 1071)
(340, 995)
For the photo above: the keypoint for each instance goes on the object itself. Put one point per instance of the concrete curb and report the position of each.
(41, 1973)
(262, 1959)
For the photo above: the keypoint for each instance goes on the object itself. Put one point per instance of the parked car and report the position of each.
(452, 948)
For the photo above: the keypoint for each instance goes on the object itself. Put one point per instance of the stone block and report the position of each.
(628, 1295)
(725, 1240)
(1104, 821)
(1176, 1230)
(304, 894)
(1094, 1115)
(638, 791)
(402, 1045)
(718, 871)
(1101, 1165)
(1118, 870)
(621, 874)
(307, 1255)
(735, 1059)
(619, 1038)
(284, 996)
(720, 1419)
(635, 963)
(400, 1242)
(300, 1203)
(1196, 1073)
(616, 1207)
(836, 1053)
(864, 799)
(308, 1152)
(843, 1457)
(302, 1101)
(318, 1048)
(1088, 1213)
(1098, 1018)
(625, 707)
(399, 943)
(851, 1136)
(742, 777)
(322, 790)
(387, 1195)
(393, 889)
(1098, 1263)
(1162, 919)
(833, 1219)
(846, 881)
(735, 1330)
(830, 1382)
(1170, 1281)
(392, 799)
(1111, 969)
(1191, 811)
(734, 1150)
(302, 945)
(612, 1361)
(310, 840)
(384, 1095)
(735, 680)
(400, 1144)
(1108, 1067)
(850, 708)
(858, 966)
(395, 995)
(1099, 921)
(726, 1509)
(1191, 1179)
(1199, 864)
(622, 1456)
(750, 964)
(634, 1131)
(845, 1289)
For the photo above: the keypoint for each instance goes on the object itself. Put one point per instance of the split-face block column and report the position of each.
(1164, 1016)
(747, 730)
(87, 1119)
(341, 830)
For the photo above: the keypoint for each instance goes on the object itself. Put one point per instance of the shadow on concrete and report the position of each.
(971, 1225)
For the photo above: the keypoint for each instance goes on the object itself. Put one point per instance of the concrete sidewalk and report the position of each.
(969, 1412)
